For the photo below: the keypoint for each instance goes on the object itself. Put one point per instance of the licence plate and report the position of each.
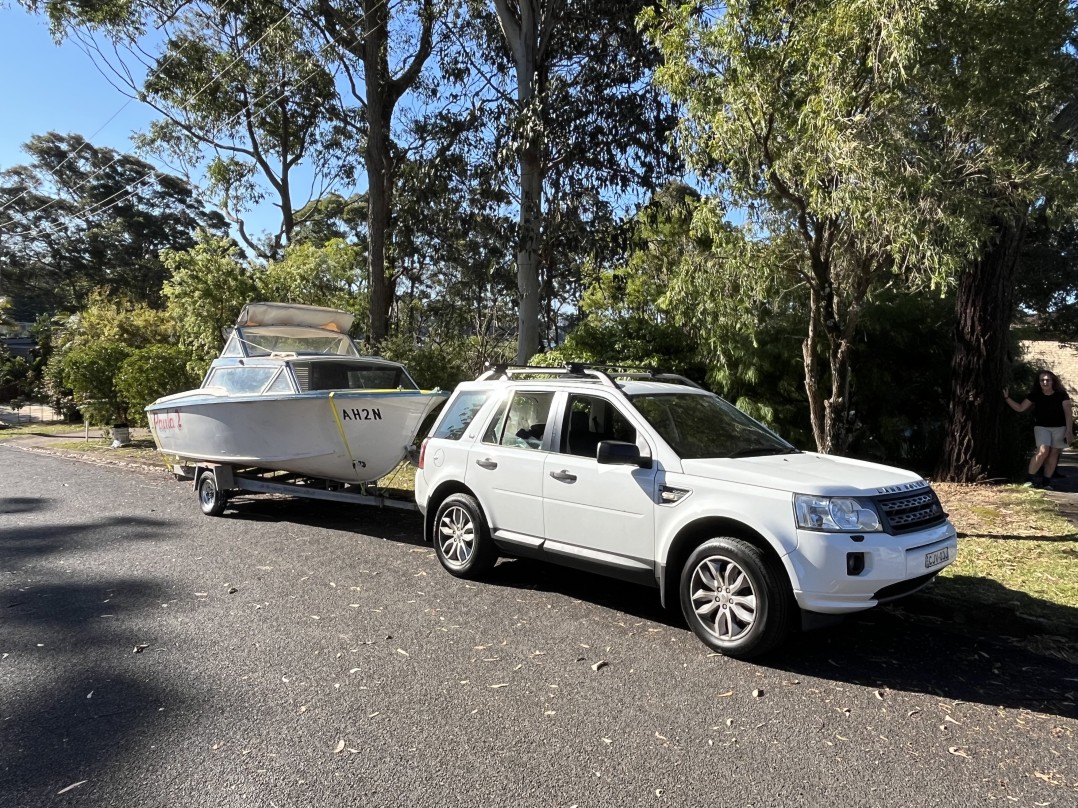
(937, 557)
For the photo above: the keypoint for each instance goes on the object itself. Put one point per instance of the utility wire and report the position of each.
(96, 208)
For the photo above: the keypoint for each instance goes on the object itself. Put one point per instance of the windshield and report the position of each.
(698, 425)
(287, 339)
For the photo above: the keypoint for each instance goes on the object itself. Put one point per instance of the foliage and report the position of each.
(900, 363)
(443, 364)
(87, 350)
(14, 375)
(149, 373)
(861, 143)
(90, 370)
(208, 286)
(243, 92)
(552, 110)
(1046, 284)
(80, 217)
(326, 275)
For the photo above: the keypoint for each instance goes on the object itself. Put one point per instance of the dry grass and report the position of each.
(1017, 557)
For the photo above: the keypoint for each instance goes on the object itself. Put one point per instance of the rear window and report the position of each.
(459, 413)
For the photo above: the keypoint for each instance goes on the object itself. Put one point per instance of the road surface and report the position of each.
(294, 653)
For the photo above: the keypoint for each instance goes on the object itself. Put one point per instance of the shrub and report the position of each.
(149, 373)
(90, 371)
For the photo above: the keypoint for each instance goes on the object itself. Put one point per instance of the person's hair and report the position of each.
(1057, 385)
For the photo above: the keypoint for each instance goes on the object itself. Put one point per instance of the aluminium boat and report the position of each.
(290, 392)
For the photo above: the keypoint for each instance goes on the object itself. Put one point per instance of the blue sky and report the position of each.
(52, 88)
(58, 88)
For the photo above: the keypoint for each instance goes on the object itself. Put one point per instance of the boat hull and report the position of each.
(351, 437)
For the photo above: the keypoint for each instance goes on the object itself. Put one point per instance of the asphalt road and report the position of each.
(292, 653)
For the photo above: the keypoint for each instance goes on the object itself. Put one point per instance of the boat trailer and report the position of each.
(216, 483)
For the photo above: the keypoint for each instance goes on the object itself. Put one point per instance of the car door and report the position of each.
(505, 467)
(596, 514)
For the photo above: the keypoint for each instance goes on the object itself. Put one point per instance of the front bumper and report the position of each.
(884, 567)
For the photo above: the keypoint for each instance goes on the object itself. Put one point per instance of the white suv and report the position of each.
(648, 478)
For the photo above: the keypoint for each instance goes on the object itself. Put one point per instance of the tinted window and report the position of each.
(706, 426)
(459, 413)
(591, 420)
(356, 376)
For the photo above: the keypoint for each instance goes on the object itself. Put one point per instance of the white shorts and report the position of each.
(1050, 436)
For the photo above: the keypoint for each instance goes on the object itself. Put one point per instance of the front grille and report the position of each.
(905, 513)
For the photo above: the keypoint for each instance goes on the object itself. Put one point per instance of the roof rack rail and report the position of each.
(608, 374)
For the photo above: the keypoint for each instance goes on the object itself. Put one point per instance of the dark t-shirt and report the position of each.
(1048, 410)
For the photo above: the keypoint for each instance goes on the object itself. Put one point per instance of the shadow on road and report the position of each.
(908, 647)
(76, 696)
(24, 504)
(938, 643)
(21, 543)
(394, 524)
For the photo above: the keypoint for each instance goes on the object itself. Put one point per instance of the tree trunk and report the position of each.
(984, 307)
(529, 234)
(520, 24)
(379, 167)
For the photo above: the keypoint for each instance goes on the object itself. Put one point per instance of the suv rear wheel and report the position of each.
(733, 599)
(462, 539)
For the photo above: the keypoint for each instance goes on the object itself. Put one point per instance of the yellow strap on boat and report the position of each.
(340, 428)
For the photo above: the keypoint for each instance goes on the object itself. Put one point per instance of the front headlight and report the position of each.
(841, 514)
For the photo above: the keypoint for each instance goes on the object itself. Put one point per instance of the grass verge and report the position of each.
(1017, 568)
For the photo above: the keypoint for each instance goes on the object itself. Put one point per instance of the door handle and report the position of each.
(487, 463)
(563, 476)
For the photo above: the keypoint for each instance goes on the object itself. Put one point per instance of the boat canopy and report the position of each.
(254, 314)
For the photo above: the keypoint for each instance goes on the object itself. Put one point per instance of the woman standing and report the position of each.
(1053, 424)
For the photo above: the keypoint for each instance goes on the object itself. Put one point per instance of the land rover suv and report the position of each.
(648, 478)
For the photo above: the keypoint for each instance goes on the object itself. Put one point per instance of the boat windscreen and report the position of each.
(279, 340)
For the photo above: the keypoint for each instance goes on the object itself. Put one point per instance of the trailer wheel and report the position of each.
(210, 498)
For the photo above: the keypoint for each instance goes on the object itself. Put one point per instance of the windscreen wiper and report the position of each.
(760, 451)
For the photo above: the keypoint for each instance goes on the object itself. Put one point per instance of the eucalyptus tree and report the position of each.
(79, 217)
(381, 49)
(861, 145)
(555, 96)
(244, 98)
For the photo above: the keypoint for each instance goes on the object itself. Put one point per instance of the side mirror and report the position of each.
(621, 453)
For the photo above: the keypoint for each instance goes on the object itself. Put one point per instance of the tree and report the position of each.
(863, 144)
(317, 276)
(556, 98)
(360, 31)
(148, 373)
(79, 217)
(208, 286)
(240, 92)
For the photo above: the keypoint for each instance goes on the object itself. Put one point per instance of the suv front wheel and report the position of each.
(462, 539)
(733, 599)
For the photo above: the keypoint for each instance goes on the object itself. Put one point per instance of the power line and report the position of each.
(209, 83)
(131, 190)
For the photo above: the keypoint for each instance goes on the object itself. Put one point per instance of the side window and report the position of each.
(459, 414)
(588, 421)
(524, 425)
(282, 384)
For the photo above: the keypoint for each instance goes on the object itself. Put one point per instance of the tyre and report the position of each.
(461, 538)
(210, 498)
(734, 599)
